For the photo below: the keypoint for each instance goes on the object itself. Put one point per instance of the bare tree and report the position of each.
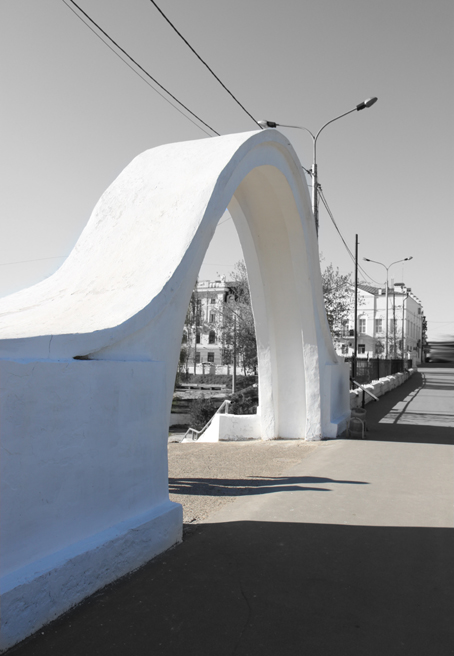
(339, 297)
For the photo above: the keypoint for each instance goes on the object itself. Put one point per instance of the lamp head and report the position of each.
(267, 124)
(367, 103)
(408, 258)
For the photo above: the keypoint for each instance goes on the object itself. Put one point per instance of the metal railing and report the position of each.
(195, 434)
(354, 382)
(371, 369)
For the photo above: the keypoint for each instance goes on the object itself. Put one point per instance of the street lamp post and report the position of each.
(271, 124)
(366, 259)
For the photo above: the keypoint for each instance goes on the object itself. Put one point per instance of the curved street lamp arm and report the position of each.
(405, 259)
(397, 261)
(298, 127)
(334, 119)
(366, 259)
(272, 124)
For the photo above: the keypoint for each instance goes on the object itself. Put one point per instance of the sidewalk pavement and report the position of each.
(352, 552)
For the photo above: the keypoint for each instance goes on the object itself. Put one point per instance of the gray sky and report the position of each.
(73, 115)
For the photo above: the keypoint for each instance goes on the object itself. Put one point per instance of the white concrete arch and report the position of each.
(122, 292)
(88, 360)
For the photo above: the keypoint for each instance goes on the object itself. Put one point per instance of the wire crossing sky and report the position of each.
(123, 51)
(203, 61)
(73, 116)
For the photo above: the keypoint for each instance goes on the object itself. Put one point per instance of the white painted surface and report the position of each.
(86, 441)
(82, 450)
(40, 591)
(84, 483)
(232, 427)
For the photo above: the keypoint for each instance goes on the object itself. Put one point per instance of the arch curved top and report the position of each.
(147, 237)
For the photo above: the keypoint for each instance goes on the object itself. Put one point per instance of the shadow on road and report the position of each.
(253, 485)
(273, 588)
(395, 419)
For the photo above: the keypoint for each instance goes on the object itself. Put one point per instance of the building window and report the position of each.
(362, 325)
(213, 301)
(344, 348)
(361, 348)
(197, 338)
(185, 338)
(212, 337)
(197, 358)
(212, 317)
(210, 356)
(378, 325)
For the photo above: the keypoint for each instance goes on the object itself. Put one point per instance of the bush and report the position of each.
(202, 410)
(245, 401)
(243, 382)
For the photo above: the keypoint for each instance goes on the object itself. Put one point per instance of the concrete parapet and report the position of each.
(379, 387)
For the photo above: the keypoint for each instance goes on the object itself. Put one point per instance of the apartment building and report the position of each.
(203, 335)
(405, 324)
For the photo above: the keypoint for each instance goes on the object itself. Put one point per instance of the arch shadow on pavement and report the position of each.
(334, 582)
(265, 588)
(419, 411)
(255, 485)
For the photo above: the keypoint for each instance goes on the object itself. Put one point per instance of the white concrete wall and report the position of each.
(232, 427)
(85, 470)
(84, 483)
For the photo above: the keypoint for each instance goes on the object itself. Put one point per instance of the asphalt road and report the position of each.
(350, 551)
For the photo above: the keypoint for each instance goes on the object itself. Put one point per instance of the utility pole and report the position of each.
(194, 315)
(315, 186)
(234, 355)
(355, 354)
(394, 322)
(403, 325)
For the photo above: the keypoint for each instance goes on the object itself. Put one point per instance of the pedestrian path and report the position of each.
(350, 552)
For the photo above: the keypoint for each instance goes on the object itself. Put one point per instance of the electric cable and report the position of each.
(330, 214)
(138, 66)
(204, 62)
(39, 259)
(352, 257)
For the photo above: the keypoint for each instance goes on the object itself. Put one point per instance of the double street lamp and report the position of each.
(366, 259)
(271, 124)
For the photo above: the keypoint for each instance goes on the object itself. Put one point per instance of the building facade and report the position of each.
(205, 348)
(405, 324)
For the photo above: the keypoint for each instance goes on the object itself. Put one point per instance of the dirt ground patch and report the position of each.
(204, 477)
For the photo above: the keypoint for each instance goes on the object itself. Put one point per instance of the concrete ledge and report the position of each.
(379, 387)
(38, 593)
(232, 427)
(337, 427)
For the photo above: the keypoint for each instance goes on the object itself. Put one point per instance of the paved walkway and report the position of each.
(351, 552)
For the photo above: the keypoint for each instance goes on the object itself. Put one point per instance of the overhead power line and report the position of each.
(325, 203)
(98, 27)
(40, 259)
(204, 62)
